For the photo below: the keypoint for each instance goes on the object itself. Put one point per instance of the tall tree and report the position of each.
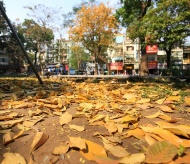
(167, 24)
(94, 27)
(4, 30)
(36, 37)
(9, 45)
(163, 22)
(78, 55)
(47, 18)
(131, 14)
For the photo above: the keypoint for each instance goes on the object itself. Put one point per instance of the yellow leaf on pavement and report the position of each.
(92, 150)
(117, 151)
(187, 100)
(173, 128)
(143, 100)
(185, 128)
(148, 128)
(39, 139)
(165, 108)
(111, 127)
(76, 127)
(86, 105)
(8, 137)
(65, 118)
(13, 158)
(128, 118)
(173, 98)
(132, 100)
(160, 101)
(114, 105)
(105, 160)
(161, 152)
(149, 139)
(96, 118)
(154, 115)
(168, 136)
(175, 93)
(62, 149)
(133, 158)
(129, 96)
(165, 117)
(77, 142)
(138, 133)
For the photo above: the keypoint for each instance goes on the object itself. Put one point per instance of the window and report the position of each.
(185, 56)
(129, 48)
(3, 60)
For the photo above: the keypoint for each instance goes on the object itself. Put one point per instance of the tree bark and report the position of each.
(143, 68)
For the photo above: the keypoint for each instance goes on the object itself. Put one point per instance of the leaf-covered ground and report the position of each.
(106, 123)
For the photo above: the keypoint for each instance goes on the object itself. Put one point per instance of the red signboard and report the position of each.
(151, 49)
(152, 65)
(116, 66)
(66, 67)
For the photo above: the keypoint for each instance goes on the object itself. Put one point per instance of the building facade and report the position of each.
(124, 55)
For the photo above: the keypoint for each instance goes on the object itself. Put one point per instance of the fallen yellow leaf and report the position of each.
(76, 127)
(143, 100)
(62, 149)
(39, 139)
(166, 108)
(161, 152)
(65, 118)
(187, 100)
(92, 150)
(117, 151)
(77, 142)
(154, 115)
(168, 136)
(13, 158)
(133, 158)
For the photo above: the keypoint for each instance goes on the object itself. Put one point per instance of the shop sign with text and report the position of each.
(151, 49)
(152, 65)
(116, 66)
(129, 67)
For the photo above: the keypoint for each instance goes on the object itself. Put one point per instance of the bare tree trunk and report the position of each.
(143, 63)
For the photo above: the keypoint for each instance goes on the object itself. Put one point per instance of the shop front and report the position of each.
(116, 68)
(152, 67)
(151, 51)
(128, 69)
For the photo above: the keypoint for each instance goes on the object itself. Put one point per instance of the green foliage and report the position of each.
(162, 22)
(78, 55)
(34, 35)
(167, 23)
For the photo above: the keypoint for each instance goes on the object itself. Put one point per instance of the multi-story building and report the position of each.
(115, 55)
(131, 53)
(186, 56)
(124, 55)
(55, 56)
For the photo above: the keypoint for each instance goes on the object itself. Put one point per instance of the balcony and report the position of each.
(161, 52)
(129, 60)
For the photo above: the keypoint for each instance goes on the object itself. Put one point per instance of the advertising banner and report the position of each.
(116, 66)
(151, 49)
(152, 65)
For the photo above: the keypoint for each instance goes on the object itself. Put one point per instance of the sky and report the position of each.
(15, 8)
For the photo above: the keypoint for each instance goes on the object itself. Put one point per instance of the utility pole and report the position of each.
(19, 41)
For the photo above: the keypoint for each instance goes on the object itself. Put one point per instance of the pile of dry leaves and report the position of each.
(106, 123)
